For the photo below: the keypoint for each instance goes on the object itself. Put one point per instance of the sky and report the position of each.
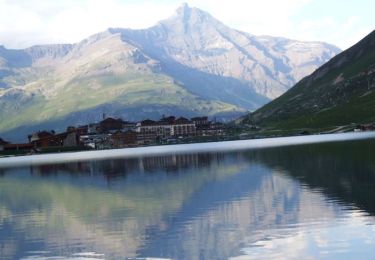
(24, 23)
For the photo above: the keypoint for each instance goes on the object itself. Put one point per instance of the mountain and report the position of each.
(190, 64)
(339, 93)
(193, 43)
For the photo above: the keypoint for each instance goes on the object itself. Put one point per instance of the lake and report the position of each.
(311, 200)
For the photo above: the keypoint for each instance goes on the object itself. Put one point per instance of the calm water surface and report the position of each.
(302, 202)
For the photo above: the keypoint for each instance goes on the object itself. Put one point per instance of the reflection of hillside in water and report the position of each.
(342, 171)
(73, 201)
(219, 228)
(184, 206)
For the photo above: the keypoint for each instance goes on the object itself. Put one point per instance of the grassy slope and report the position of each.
(358, 110)
(103, 74)
(318, 101)
(125, 90)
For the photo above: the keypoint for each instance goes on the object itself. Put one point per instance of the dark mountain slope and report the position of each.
(340, 92)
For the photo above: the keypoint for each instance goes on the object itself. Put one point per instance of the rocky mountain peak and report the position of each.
(183, 9)
(187, 18)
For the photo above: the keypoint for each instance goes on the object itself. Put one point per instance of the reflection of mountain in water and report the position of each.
(184, 206)
(74, 201)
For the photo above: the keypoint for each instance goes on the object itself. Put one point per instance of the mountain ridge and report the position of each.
(190, 63)
(258, 56)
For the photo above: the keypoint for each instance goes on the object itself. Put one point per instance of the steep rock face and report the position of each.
(189, 64)
(193, 38)
(340, 92)
(45, 54)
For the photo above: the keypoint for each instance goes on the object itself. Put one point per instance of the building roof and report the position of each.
(169, 120)
(110, 120)
(44, 134)
(148, 122)
(59, 136)
(182, 120)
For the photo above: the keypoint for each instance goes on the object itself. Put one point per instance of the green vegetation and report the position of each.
(358, 110)
(340, 93)
(131, 90)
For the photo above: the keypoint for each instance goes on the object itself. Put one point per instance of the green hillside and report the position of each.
(339, 93)
(81, 102)
(103, 75)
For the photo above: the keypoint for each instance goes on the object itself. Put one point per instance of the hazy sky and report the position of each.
(341, 22)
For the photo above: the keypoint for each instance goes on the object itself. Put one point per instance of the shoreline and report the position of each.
(180, 149)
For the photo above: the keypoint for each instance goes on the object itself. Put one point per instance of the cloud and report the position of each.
(344, 33)
(92, 17)
(23, 24)
(27, 22)
(255, 16)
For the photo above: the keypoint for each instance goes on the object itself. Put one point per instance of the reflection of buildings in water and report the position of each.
(113, 169)
(116, 168)
(77, 168)
(108, 168)
(177, 162)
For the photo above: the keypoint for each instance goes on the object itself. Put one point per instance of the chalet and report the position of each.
(168, 120)
(148, 122)
(67, 139)
(165, 128)
(151, 130)
(124, 139)
(148, 131)
(80, 130)
(146, 138)
(130, 138)
(110, 124)
(183, 127)
(182, 120)
(40, 135)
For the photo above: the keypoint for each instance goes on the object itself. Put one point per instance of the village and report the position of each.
(116, 133)
(113, 133)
